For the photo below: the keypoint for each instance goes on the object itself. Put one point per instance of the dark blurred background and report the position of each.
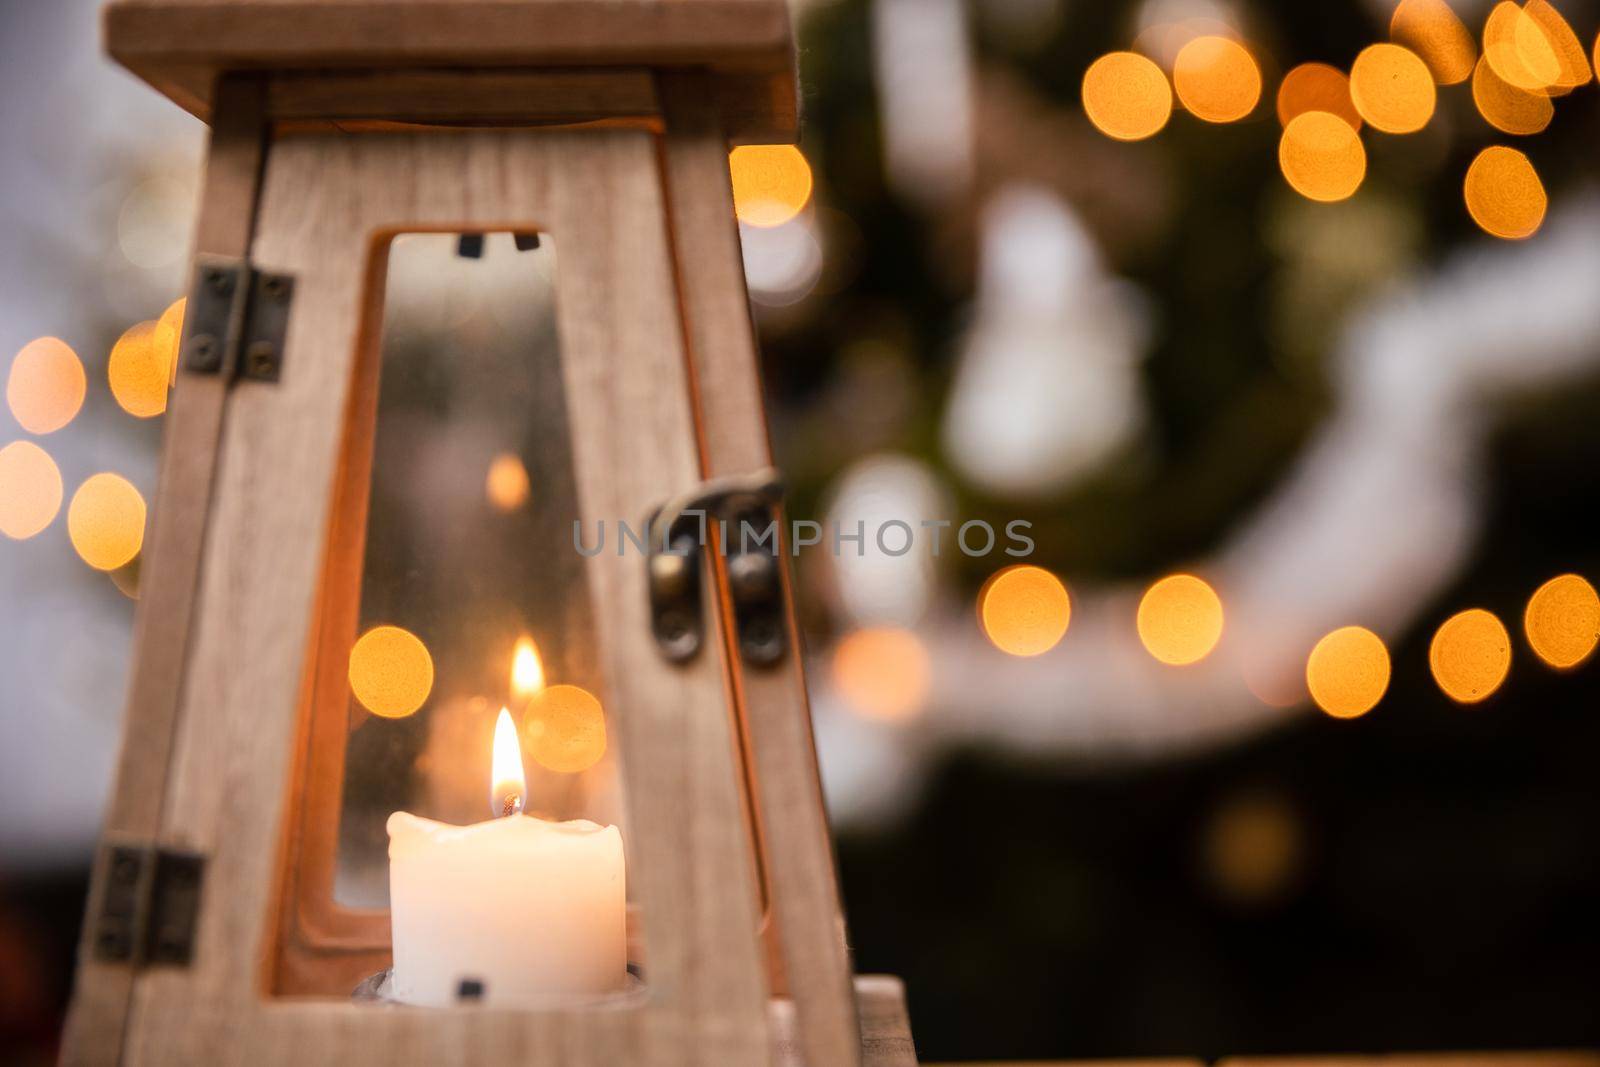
(1369, 412)
(1420, 878)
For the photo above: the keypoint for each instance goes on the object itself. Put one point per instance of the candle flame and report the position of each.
(527, 672)
(508, 786)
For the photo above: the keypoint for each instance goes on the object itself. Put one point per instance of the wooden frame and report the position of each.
(323, 201)
(163, 625)
(745, 47)
(726, 819)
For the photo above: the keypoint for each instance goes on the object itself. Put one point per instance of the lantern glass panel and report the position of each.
(471, 593)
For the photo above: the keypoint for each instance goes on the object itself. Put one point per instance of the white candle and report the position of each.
(531, 909)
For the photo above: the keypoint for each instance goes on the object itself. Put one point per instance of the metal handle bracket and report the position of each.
(745, 510)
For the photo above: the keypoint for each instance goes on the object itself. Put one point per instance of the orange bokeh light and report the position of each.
(1180, 619)
(1321, 157)
(1543, 28)
(391, 671)
(882, 672)
(565, 728)
(1431, 29)
(771, 183)
(1392, 88)
(1347, 672)
(106, 521)
(1470, 655)
(140, 372)
(1024, 610)
(1217, 79)
(1504, 194)
(30, 490)
(169, 335)
(506, 484)
(1316, 87)
(1519, 50)
(1506, 107)
(46, 386)
(1126, 96)
(1562, 621)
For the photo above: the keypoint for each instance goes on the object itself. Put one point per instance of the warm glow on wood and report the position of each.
(1024, 610)
(1470, 655)
(508, 785)
(1180, 618)
(1321, 156)
(1562, 622)
(46, 385)
(771, 183)
(1348, 672)
(106, 521)
(30, 489)
(1126, 96)
(566, 729)
(1504, 194)
(1217, 79)
(391, 671)
(1392, 88)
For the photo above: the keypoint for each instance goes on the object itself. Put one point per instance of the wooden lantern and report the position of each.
(213, 933)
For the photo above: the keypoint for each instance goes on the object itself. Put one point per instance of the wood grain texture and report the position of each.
(178, 46)
(803, 886)
(480, 97)
(172, 555)
(885, 1027)
(324, 947)
(885, 1024)
(326, 200)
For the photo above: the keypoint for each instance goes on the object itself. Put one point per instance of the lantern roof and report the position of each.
(746, 47)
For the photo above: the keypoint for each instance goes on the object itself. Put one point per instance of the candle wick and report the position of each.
(512, 805)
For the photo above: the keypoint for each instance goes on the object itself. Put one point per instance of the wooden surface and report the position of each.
(322, 946)
(885, 1025)
(325, 201)
(179, 46)
(802, 886)
(885, 1028)
(1544, 1058)
(162, 623)
(1557, 1058)
(1173, 1062)
(487, 97)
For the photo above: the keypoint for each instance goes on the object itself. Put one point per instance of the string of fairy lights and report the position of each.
(1526, 58)
(1025, 610)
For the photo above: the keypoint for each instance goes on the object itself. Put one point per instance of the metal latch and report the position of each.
(148, 906)
(745, 509)
(235, 320)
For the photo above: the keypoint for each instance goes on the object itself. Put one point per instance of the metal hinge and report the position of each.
(148, 906)
(235, 320)
(745, 510)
